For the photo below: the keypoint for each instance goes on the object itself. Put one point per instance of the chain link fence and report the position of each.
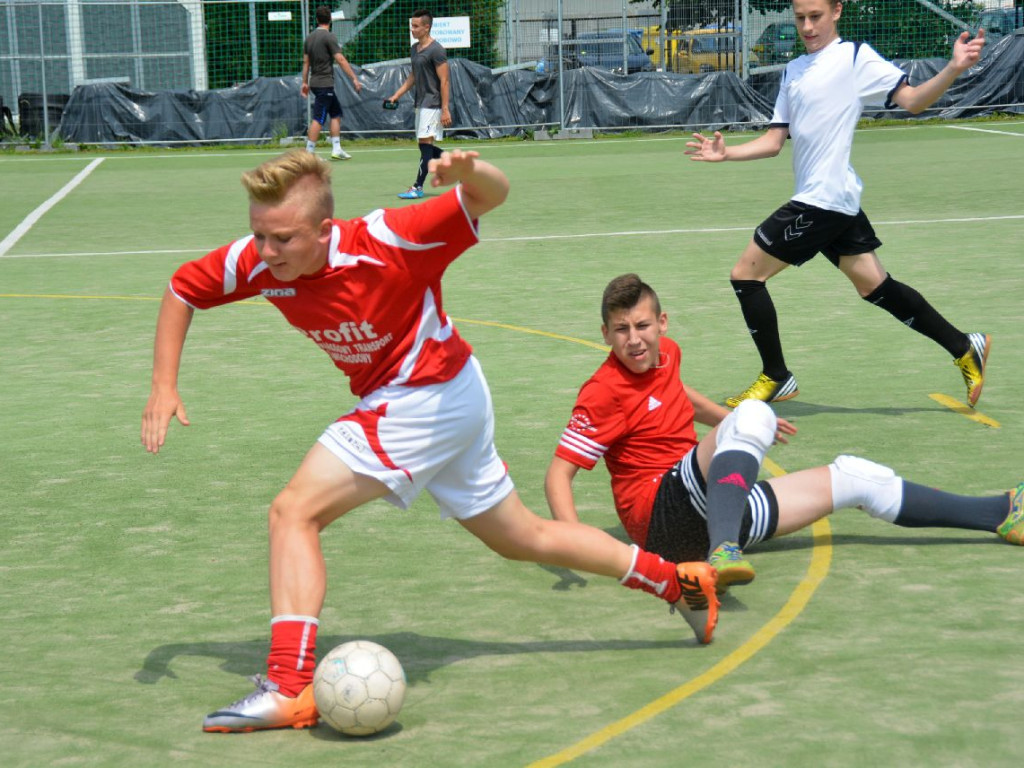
(50, 47)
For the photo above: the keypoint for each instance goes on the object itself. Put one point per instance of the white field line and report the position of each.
(585, 235)
(985, 130)
(27, 223)
(473, 144)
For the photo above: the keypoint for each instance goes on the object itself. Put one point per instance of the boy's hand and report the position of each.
(452, 167)
(705, 149)
(160, 409)
(967, 52)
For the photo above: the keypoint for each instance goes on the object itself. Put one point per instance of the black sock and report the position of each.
(426, 155)
(730, 477)
(763, 324)
(913, 310)
(925, 507)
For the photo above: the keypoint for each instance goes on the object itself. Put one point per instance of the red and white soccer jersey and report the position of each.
(375, 308)
(641, 424)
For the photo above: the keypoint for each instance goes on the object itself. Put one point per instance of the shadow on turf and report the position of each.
(839, 540)
(420, 654)
(792, 409)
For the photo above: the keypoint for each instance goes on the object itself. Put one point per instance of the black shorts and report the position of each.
(796, 232)
(325, 104)
(678, 529)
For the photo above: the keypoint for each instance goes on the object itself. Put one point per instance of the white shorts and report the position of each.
(428, 124)
(439, 437)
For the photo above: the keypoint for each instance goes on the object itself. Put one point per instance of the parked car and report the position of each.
(598, 49)
(776, 45)
(999, 22)
(707, 50)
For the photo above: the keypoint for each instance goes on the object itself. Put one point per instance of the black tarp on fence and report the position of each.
(488, 105)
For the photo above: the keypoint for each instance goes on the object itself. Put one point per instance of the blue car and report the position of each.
(598, 49)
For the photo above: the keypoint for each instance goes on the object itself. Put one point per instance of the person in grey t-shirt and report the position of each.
(429, 75)
(320, 51)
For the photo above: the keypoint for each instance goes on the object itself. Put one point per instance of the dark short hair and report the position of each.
(423, 13)
(323, 15)
(625, 292)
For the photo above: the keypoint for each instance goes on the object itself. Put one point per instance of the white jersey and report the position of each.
(820, 100)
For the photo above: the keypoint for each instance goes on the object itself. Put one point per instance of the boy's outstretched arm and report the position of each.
(918, 98)
(712, 149)
(164, 402)
(484, 186)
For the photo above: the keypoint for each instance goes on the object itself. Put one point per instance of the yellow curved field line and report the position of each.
(821, 558)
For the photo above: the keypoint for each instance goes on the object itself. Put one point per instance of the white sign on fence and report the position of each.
(449, 31)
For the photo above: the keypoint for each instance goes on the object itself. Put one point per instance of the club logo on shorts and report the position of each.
(793, 231)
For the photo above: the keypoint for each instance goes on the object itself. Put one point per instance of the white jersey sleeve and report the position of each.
(780, 116)
(876, 79)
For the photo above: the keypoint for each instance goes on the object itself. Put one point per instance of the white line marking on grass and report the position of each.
(985, 130)
(713, 230)
(200, 251)
(22, 229)
(523, 238)
(624, 233)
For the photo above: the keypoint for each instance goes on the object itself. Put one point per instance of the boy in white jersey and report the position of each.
(820, 100)
(368, 292)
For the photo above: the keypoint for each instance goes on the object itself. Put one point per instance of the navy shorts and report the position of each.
(797, 232)
(325, 104)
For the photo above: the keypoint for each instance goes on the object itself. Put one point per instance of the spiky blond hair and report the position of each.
(271, 182)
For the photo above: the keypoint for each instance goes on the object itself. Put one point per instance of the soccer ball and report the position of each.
(359, 688)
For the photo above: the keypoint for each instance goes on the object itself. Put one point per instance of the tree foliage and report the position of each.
(897, 29)
(387, 36)
(687, 14)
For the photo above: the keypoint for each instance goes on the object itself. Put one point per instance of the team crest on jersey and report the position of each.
(580, 422)
(277, 293)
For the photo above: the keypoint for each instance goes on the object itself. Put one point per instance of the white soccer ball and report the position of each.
(359, 688)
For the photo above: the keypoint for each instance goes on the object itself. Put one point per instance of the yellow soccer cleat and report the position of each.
(972, 365)
(733, 569)
(767, 390)
(1012, 528)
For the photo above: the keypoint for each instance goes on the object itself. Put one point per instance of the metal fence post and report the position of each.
(561, 73)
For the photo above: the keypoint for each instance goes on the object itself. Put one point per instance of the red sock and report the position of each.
(292, 656)
(654, 575)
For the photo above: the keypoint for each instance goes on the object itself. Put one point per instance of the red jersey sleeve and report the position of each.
(596, 424)
(436, 221)
(219, 277)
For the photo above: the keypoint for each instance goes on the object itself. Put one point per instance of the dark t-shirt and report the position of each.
(427, 90)
(320, 47)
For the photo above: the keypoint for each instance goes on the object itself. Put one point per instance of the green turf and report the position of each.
(134, 587)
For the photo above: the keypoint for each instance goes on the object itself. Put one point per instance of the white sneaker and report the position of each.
(263, 709)
(340, 154)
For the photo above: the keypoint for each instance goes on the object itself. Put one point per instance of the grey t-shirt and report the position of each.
(427, 90)
(320, 47)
